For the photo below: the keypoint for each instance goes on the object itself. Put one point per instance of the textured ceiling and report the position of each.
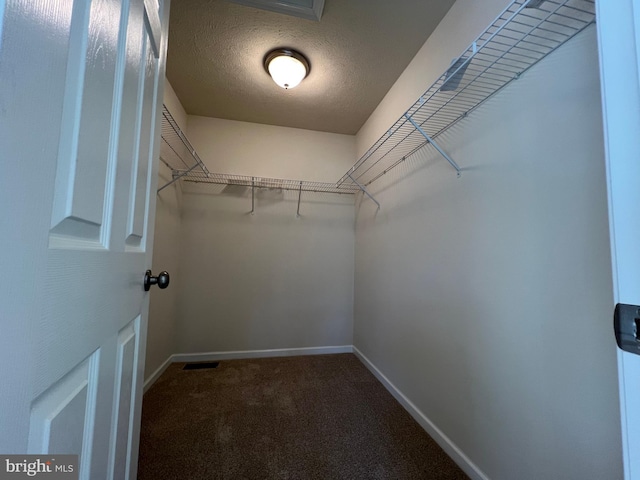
(356, 52)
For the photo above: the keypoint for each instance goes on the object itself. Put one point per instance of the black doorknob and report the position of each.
(162, 280)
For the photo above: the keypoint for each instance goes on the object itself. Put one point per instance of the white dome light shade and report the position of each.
(287, 67)
(287, 72)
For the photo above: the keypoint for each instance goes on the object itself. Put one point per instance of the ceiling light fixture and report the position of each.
(287, 67)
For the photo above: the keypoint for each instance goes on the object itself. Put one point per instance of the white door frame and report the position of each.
(619, 44)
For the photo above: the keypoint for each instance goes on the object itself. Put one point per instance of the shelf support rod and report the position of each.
(253, 194)
(364, 190)
(432, 142)
(177, 177)
(299, 195)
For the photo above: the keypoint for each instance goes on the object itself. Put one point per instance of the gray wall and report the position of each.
(163, 307)
(268, 280)
(253, 282)
(487, 299)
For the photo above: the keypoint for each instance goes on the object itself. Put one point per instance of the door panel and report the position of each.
(1, 19)
(77, 25)
(62, 418)
(152, 14)
(124, 390)
(80, 86)
(80, 280)
(131, 94)
(83, 163)
(140, 168)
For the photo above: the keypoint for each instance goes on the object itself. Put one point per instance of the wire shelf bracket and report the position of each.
(177, 176)
(364, 190)
(432, 142)
(523, 34)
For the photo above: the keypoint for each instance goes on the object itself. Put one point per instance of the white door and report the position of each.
(619, 42)
(81, 86)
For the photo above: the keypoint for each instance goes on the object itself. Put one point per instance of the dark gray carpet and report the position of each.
(318, 417)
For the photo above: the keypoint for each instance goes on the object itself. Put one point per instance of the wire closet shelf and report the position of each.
(522, 35)
(177, 153)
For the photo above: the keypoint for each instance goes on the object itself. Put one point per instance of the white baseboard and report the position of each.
(441, 439)
(242, 354)
(155, 375)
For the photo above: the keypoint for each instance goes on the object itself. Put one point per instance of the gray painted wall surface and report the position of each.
(163, 307)
(268, 280)
(263, 281)
(487, 299)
